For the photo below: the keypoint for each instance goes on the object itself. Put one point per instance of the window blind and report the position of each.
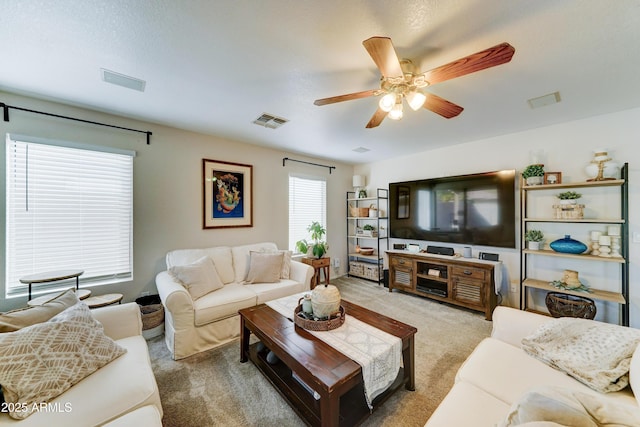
(67, 206)
(307, 203)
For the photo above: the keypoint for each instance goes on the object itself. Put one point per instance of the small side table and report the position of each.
(51, 276)
(81, 293)
(319, 265)
(103, 300)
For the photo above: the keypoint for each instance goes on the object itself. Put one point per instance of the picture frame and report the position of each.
(227, 194)
(553, 177)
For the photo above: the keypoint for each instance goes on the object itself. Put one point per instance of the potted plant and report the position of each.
(534, 239)
(568, 197)
(533, 174)
(367, 230)
(316, 248)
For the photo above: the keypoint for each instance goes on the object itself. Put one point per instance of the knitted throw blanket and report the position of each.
(596, 354)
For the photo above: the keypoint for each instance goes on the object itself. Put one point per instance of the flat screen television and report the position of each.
(476, 209)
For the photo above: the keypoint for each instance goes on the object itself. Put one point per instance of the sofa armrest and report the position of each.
(511, 325)
(301, 273)
(120, 321)
(177, 302)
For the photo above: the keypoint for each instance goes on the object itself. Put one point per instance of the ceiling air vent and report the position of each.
(361, 150)
(270, 121)
(122, 80)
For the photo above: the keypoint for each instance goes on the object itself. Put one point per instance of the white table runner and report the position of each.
(377, 352)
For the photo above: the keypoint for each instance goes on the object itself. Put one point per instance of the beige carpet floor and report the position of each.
(214, 389)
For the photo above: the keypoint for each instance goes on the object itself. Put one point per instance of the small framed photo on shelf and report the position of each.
(553, 177)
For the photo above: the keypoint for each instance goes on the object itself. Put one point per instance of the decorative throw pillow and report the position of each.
(23, 317)
(199, 278)
(286, 261)
(566, 407)
(42, 361)
(265, 267)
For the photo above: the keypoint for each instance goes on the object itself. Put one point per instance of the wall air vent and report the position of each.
(270, 121)
(122, 80)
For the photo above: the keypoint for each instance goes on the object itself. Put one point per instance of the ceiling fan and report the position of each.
(401, 80)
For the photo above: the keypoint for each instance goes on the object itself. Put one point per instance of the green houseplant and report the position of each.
(568, 197)
(317, 247)
(533, 174)
(534, 239)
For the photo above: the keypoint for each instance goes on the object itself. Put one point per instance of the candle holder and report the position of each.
(615, 247)
(605, 246)
(595, 245)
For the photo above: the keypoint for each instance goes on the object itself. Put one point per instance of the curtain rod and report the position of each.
(284, 160)
(6, 119)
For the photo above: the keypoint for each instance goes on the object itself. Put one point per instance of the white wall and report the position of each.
(567, 147)
(168, 187)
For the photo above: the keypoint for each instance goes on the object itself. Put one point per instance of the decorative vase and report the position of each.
(568, 245)
(325, 300)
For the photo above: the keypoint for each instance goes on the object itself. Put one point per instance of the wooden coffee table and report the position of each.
(336, 378)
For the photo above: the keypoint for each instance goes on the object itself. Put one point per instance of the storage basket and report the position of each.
(356, 268)
(358, 212)
(371, 272)
(565, 305)
(152, 313)
(568, 211)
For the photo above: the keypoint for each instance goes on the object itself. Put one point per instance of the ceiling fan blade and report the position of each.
(384, 55)
(348, 97)
(487, 58)
(441, 106)
(376, 119)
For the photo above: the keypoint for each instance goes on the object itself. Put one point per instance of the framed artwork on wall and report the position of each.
(553, 177)
(227, 197)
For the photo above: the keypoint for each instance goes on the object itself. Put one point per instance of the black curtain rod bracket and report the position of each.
(285, 159)
(6, 108)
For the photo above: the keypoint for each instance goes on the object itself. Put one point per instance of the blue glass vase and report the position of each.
(568, 245)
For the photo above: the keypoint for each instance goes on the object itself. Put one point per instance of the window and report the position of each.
(307, 203)
(68, 206)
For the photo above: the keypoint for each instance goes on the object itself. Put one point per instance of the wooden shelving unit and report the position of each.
(371, 265)
(529, 283)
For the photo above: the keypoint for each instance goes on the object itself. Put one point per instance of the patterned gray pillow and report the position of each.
(42, 361)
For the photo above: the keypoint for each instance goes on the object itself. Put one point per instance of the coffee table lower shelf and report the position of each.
(353, 406)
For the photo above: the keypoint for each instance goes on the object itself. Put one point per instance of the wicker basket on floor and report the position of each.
(152, 316)
(565, 305)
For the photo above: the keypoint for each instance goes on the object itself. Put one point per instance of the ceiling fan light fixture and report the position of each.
(387, 102)
(416, 100)
(396, 111)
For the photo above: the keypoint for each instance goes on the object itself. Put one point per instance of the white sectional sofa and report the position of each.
(499, 373)
(192, 324)
(122, 393)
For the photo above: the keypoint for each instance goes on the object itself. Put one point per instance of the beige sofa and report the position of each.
(122, 393)
(192, 324)
(499, 373)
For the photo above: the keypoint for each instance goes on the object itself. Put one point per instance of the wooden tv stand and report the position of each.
(464, 282)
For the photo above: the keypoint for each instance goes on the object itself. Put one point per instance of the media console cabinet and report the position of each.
(460, 281)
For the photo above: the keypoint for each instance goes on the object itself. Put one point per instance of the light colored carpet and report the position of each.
(214, 389)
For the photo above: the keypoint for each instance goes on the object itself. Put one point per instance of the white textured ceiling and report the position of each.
(214, 66)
